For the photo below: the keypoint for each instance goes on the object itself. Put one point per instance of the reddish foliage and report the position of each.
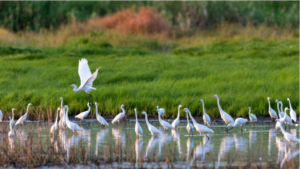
(145, 21)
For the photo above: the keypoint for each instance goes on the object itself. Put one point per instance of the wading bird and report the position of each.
(189, 126)
(271, 111)
(138, 129)
(54, 127)
(12, 121)
(120, 116)
(292, 112)
(73, 126)
(283, 120)
(161, 110)
(86, 78)
(100, 119)
(62, 121)
(252, 117)
(225, 116)
(153, 130)
(205, 116)
(289, 137)
(238, 121)
(280, 113)
(84, 114)
(23, 118)
(163, 123)
(177, 120)
(11, 133)
(288, 119)
(200, 128)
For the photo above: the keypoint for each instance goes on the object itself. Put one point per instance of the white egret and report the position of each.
(11, 133)
(138, 129)
(54, 127)
(280, 113)
(120, 116)
(289, 137)
(86, 77)
(177, 120)
(23, 118)
(84, 114)
(288, 119)
(189, 126)
(12, 121)
(292, 112)
(62, 122)
(138, 148)
(205, 116)
(73, 126)
(238, 121)
(271, 111)
(1, 116)
(163, 123)
(283, 120)
(252, 117)
(100, 119)
(153, 130)
(225, 116)
(161, 110)
(200, 128)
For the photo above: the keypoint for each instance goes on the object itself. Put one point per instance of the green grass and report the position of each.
(243, 72)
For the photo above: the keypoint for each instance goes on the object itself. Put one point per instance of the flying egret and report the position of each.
(23, 118)
(189, 126)
(200, 128)
(205, 116)
(271, 111)
(153, 130)
(281, 114)
(11, 133)
(289, 137)
(238, 121)
(138, 129)
(84, 114)
(252, 117)
(120, 116)
(54, 127)
(225, 116)
(292, 112)
(1, 116)
(73, 126)
(86, 78)
(177, 120)
(100, 118)
(163, 123)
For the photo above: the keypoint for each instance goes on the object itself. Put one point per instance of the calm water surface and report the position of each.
(259, 146)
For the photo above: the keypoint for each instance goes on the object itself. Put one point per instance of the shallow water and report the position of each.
(118, 146)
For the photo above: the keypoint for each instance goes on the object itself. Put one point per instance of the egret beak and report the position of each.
(70, 85)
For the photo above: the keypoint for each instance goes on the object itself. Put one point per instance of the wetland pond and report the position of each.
(117, 146)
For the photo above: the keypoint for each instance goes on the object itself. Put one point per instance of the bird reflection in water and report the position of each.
(176, 135)
(226, 146)
(100, 139)
(164, 141)
(138, 148)
(202, 149)
(190, 147)
(272, 135)
(151, 144)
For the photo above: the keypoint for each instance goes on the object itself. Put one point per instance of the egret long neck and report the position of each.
(159, 118)
(290, 104)
(135, 116)
(61, 103)
(146, 118)
(284, 117)
(75, 88)
(218, 101)
(269, 103)
(56, 117)
(282, 130)
(123, 110)
(66, 114)
(27, 109)
(281, 105)
(97, 110)
(203, 108)
(193, 120)
(278, 107)
(178, 115)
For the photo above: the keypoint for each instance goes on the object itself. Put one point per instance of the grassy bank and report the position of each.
(143, 72)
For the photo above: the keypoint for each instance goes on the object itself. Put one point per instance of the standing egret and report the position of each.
(289, 137)
(292, 112)
(11, 133)
(120, 116)
(23, 118)
(280, 113)
(73, 126)
(200, 128)
(189, 126)
(271, 111)
(100, 118)
(153, 130)
(86, 78)
(226, 117)
(252, 117)
(205, 116)
(84, 114)
(54, 127)
(288, 119)
(283, 120)
(1, 116)
(163, 123)
(138, 129)
(238, 121)
(12, 121)
(161, 110)
(177, 120)
(62, 122)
